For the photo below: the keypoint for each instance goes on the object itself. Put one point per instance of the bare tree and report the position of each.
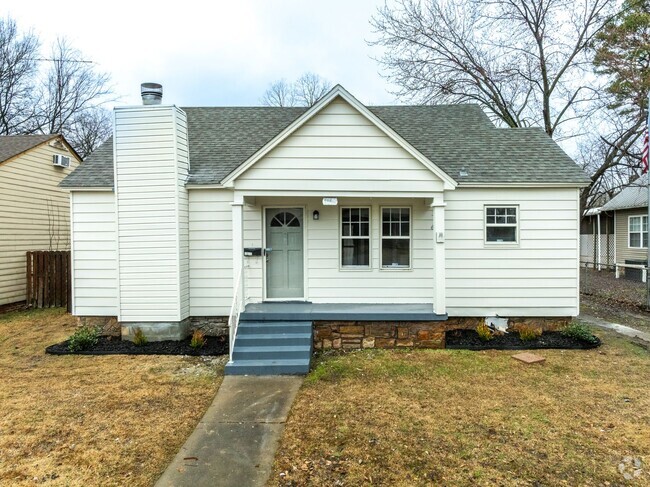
(309, 88)
(305, 91)
(279, 94)
(525, 61)
(65, 96)
(18, 67)
(88, 129)
(72, 88)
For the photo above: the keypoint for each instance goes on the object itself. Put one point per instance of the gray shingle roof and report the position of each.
(633, 196)
(450, 136)
(12, 145)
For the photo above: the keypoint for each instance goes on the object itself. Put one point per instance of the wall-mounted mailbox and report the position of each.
(253, 252)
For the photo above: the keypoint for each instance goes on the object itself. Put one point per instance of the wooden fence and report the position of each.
(48, 279)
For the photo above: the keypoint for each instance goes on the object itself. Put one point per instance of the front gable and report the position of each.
(337, 147)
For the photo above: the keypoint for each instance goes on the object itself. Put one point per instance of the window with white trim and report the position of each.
(501, 224)
(637, 229)
(395, 238)
(355, 237)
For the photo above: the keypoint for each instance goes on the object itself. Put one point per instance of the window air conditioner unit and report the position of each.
(60, 161)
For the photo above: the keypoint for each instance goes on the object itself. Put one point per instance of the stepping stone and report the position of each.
(529, 358)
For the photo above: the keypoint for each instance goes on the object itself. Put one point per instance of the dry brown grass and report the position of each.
(91, 420)
(442, 417)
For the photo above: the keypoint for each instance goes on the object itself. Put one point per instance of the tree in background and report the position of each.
(305, 91)
(623, 57)
(61, 94)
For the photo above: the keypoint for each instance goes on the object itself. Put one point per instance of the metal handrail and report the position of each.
(235, 311)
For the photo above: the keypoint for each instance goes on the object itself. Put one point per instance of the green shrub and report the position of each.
(484, 332)
(138, 338)
(84, 338)
(198, 339)
(527, 332)
(579, 332)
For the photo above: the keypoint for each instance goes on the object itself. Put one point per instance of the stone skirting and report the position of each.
(210, 325)
(418, 334)
(11, 307)
(108, 325)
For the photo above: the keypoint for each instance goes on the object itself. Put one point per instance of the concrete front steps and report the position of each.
(271, 348)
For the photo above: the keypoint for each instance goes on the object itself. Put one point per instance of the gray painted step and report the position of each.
(268, 367)
(274, 352)
(272, 339)
(254, 327)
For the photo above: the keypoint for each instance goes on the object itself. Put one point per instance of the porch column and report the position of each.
(238, 246)
(439, 284)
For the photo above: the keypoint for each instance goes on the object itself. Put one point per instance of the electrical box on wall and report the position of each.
(252, 252)
(440, 237)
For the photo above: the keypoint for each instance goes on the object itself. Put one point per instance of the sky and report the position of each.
(215, 53)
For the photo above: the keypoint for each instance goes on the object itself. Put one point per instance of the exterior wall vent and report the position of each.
(60, 161)
(151, 93)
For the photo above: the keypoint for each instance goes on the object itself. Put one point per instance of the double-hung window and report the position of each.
(501, 224)
(638, 232)
(395, 238)
(355, 237)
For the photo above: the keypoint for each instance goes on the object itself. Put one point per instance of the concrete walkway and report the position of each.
(235, 442)
(621, 329)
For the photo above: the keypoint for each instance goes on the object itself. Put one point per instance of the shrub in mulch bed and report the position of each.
(114, 346)
(470, 340)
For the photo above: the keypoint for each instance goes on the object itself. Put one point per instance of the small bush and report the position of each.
(527, 333)
(579, 332)
(84, 338)
(484, 332)
(198, 339)
(138, 338)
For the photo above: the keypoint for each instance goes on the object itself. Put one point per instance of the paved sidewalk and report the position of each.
(235, 442)
(622, 329)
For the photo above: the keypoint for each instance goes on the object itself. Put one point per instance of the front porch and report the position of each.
(306, 311)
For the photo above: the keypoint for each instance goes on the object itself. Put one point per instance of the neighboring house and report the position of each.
(378, 226)
(35, 211)
(630, 209)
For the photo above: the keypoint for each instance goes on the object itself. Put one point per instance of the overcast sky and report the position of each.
(215, 52)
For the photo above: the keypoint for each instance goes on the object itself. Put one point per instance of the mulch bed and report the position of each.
(114, 346)
(469, 340)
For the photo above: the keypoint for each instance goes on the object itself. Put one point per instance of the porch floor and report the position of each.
(306, 311)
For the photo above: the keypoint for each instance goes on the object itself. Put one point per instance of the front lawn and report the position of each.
(92, 420)
(452, 417)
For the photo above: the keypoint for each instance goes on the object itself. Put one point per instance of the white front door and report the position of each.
(284, 253)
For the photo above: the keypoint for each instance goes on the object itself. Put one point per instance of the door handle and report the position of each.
(267, 253)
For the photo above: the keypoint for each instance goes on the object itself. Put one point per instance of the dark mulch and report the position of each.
(469, 340)
(115, 346)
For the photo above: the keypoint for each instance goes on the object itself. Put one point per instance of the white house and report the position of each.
(373, 226)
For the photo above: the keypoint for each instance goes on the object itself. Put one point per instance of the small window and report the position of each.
(501, 224)
(395, 238)
(638, 228)
(355, 237)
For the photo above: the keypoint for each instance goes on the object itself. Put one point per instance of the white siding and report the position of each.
(537, 277)
(94, 255)
(151, 165)
(339, 150)
(35, 214)
(326, 282)
(210, 252)
(183, 168)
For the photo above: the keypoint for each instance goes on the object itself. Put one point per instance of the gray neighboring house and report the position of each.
(630, 210)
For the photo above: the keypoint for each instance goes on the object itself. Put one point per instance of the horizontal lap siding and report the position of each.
(210, 252)
(623, 250)
(94, 254)
(339, 150)
(537, 277)
(151, 168)
(35, 214)
(326, 282)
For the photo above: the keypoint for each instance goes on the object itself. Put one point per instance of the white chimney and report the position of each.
(151, 93)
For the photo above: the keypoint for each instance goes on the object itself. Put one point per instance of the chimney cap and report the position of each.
(151, 93)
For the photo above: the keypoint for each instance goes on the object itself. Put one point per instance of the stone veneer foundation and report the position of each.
(419, 334)
(108, 325)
